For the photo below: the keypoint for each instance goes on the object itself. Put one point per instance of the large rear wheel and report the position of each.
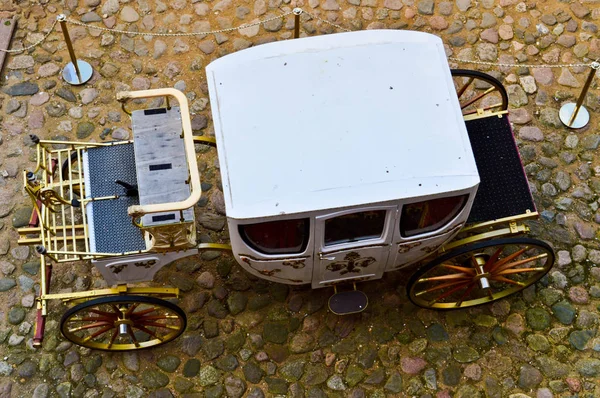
(479, 92)
(480, 273)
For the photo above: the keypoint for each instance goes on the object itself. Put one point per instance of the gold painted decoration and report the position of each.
(171, 237)
(352, 263)
(296, 264)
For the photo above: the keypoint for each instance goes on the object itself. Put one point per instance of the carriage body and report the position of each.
(367, 166)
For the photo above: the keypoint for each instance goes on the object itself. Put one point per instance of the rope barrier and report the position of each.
(37, 43)
(594, 65)
(326, 21)
(127, 32)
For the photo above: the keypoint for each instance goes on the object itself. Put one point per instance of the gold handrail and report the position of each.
(188, 140)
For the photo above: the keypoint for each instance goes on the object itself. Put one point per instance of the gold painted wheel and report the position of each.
(478, 91)
(480, 273)
(123, 323)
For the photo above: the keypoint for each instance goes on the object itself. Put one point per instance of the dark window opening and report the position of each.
(430, 215)
(277, 237)
(354, 227)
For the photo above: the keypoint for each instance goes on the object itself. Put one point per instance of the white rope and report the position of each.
(37, 43)
(128, 32)
(326, 21)
(296, 11)
(467, 61)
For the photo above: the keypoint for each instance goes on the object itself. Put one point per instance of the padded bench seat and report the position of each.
(160, 161)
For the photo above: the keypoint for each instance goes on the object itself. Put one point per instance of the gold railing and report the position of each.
(57, 190)
(190, 153)
(499, 228)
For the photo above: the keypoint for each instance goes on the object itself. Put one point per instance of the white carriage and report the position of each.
(342, 157)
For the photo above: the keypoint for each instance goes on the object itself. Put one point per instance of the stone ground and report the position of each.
(249, 338)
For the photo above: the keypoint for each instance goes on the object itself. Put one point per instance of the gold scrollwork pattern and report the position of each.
(172, 237)
(117, 268)
(295, 264)
(145, 264)
(352, 263)
(405, 248)
(273, 273)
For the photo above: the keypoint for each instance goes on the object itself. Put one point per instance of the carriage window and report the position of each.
(354, 227)
(430, 215)
(277, 237)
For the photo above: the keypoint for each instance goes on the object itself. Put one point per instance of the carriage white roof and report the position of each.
(337, 120)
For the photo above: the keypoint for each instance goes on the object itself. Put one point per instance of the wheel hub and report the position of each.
(482, 276)
(123, 323)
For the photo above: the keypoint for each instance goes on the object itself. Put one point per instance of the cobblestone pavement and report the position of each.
(249, 338)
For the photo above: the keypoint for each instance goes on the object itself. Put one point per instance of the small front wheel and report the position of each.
(123, 323)
(480, 273)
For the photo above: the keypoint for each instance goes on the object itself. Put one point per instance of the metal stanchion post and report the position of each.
(297, 12)
(76, 72)
(574, 115)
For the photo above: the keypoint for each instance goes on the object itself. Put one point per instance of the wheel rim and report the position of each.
(480, 273)
(123, 323)
(479, 92)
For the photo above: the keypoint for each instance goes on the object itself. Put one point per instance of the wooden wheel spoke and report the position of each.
(133, 338)
(113, 337)
(465, 294)
(476, 98)
(507, 259)
(148, 331)
(493, 258)
(520, 262)
(91, 326)
(464, 270)
(440, 286)
(450, 292)
(462, 90)
(520, 270)
(156, 317)
(98, 333)
(143, 312)
(496, 105)
(92, 319)
(485, 108)
(506, 280)
(103, 313)
(445, 277)
(156, 324)
(131, 309)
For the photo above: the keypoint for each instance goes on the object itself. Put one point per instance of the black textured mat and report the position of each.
(348, 302)
(113, 230)
(504, 190)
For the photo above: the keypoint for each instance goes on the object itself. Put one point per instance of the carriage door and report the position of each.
(352, 245)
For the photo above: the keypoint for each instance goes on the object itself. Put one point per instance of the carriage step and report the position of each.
(348, 302)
